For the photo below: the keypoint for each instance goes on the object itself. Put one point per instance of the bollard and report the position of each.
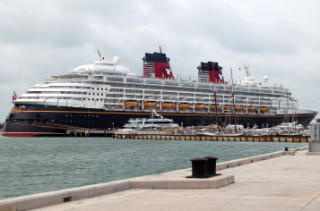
(211, 166)
(286, 149)
(199, 167)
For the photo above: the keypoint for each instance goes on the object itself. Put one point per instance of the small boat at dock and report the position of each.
(155, 123)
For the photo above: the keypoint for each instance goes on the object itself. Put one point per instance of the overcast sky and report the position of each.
(277, 38)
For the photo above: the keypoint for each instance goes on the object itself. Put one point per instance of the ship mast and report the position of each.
(216, 107)
(233, 104)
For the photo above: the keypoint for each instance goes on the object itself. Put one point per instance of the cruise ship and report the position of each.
(104, 95)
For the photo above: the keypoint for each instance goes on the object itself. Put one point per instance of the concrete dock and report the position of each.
(292, 139)
(285, 180)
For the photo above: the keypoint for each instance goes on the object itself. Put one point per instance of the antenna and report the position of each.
(160, 49)
(100, 56)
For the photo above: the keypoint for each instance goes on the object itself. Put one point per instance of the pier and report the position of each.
(292, 139)
(284, 180)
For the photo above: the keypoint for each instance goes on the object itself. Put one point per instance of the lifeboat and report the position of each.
(251, 109)
(15, 110)
(131, 104)
(227, 107)
(167, 105)
(149, 104)
(183, 106)
(263, 109)
(200, 107)
(238, 108)
(213, 107)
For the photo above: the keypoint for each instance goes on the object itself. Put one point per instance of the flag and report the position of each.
(14, 96)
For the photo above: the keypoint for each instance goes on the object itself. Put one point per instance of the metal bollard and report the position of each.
(199, 167)
(211, 166)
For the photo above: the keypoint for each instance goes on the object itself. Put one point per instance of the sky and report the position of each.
(275, 38)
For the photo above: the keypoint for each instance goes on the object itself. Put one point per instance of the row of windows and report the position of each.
(206, 87)
(82, 115)
(190, 89)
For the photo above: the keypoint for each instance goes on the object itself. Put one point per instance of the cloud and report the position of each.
(275, 38)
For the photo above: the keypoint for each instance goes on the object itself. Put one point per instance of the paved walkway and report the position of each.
(282, 183)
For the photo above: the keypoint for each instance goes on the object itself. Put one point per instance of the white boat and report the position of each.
(289, 129)
(207, 133)
(156, 121)
(307, 132)
(125, 131)
(229, 130)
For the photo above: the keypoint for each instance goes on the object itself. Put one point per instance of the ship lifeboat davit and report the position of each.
(263, 109)
(131, 104)
(200, 107)
(167, 105)
(184, 106)
(214, 107)
(149, 104)
(251, 109)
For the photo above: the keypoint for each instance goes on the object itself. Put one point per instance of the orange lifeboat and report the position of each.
(251, 109)
(167, 105)
(263, 109)
(213, 107)
(238, 108)
(131, 104)
(227, 107)
(149, 104)
(200, 107)
(183, 106)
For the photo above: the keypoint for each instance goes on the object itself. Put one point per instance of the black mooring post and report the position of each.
(211, 166)
(199, 167)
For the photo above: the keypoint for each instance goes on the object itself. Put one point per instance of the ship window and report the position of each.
(153, 82)
(184, 84)
(134, 80)
(115, 78)
(171, 83)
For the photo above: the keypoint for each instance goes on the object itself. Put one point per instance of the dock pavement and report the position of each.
(288, 180)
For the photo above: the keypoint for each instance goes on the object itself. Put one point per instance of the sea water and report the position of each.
(33, 165)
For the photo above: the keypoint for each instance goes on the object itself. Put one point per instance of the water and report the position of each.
(33, 165)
